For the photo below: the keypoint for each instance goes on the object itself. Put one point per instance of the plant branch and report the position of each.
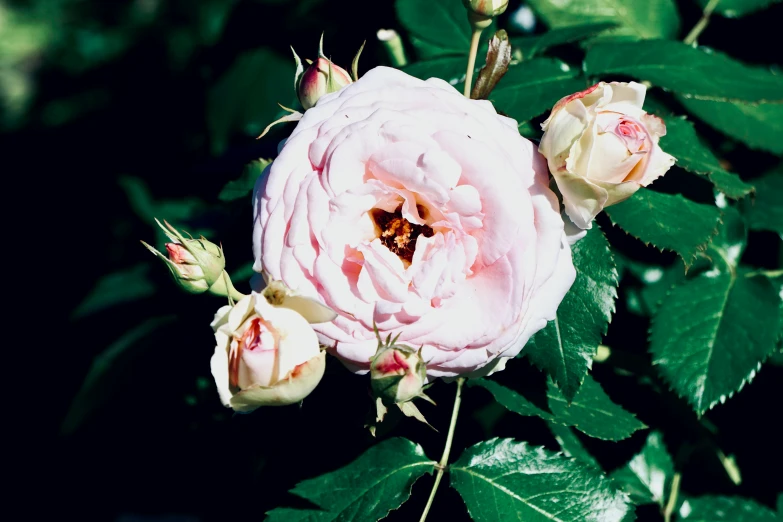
(444, 459)
(670, 505)
(701, 25)
(474, 42)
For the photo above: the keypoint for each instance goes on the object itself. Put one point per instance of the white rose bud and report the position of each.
(601, 147)
(265, 356)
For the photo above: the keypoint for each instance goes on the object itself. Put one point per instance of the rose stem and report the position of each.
(675, 490)
(446, 450)
(474, 42)
(702, 23)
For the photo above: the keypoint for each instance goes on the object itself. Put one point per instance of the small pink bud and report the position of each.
(317, 80)
(397, 373)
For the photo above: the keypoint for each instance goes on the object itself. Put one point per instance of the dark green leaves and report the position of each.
(647, 477)
(532, 87)
(737, 8)
(760, 126)
(682, 142)
(591, 411)
(532, 45)
(637, 18)
(502, 480)
(448, 68)
(729, 509)
(765, 210)
(437, 27)
(668, 222)
(566, 346)
(571, 445)
(366, 489)
(711, 334)
(243, 186)
(686, 70)
(117, 288)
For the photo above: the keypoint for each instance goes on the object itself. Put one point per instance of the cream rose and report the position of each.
(601, 147)
(264, 356)
(399, 202)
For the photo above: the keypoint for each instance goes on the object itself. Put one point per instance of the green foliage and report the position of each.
(449, 68)
(565, 347)
(647, 477)
(117, 288)
(437, 27)
(667, 222)
(502, 480)
(571, 445)
(682, 142)
(731, 327)
(760, 126)
(366, 489)
(591, 411)
(729, 509)
(765, 210)
(243, 186)
(695, 72)
(737, 8)
(635, 18)
(533, 86)
(530, 46)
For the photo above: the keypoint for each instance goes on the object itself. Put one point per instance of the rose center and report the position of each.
(397, 233)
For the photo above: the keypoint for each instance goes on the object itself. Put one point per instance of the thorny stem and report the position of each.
(446, 450)
(702, 23)
(667, 512)
(474, 42)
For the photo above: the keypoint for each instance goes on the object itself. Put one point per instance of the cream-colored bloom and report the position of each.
(265, 355)
(601, 146)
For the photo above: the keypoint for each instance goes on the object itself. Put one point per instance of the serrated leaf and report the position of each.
(379, 481)
(502, 480)
(571, 445)
(667, 222)
(530, 46)
(710, 335)
(591, 411)
(737, 8)
(564, 349)
(243, 100)
(693, 72)
(682, 142)
(647, 477)
(436, 27)
(116, 288)
(759, 126)
(765, 210)
(637, 18)
(243, 186)
(729, 509)
(532, 87)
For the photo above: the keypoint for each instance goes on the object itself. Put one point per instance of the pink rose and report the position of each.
(601, 147)
(400, 202)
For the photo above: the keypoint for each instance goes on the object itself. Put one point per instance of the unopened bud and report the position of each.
(482, 11)
(320, 78)
(397, 373)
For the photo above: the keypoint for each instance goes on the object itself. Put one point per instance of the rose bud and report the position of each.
(321, 77)
(601, 147)
(485, 9)
(397, 373)
(195, 264)
(265, 356)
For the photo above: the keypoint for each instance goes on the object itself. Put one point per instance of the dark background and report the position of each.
(118, 91)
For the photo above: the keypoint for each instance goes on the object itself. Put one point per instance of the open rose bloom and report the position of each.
(601, 147)
(399, 201)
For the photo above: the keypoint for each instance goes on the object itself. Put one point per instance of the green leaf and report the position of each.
(448, 68)
(591, 411)
(116, 288)
(780, 503)
(533, 86)
(737, 8)
(571, 445)
(637, 18)
(243, 186)
(648, 475)
(694, 72)
(502, 480)
(758, 126)
(564, 349)
(436, 27)
(368, 488)
(730, 509)
(530, 46)
(244, 100)
(765, 210)
(106, 370)
(682, 142)
(668, 222)
(710, 335)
